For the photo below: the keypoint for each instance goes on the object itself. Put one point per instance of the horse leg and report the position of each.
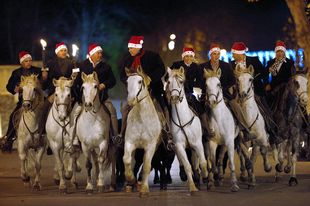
(103, 148)
(231, 150)
(127, 159)
(202, 161)
(264, 153)
(168, 163)
(22, 156)
(60, 170)
(75, 168)
(248, 165)
(88, 164)
(113, 175)
(275, 154)
(242, 165)
(220, 176)
(212, 148)
(147, 160)
(293, 180)
(180, 151)
(38, 160)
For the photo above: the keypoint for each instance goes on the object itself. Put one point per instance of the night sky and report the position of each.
(110, 23)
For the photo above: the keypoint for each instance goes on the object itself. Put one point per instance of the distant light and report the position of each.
(223, 52)
(171, 45)
(75, 49)
(172, 36)
(43, 43)
(303, 144)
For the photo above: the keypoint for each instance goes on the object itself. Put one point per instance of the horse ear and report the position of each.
(219, 73)
(71, 83)
(169, 71)
(251, 69)
(147, 80)
(181, 70)
(83, 76)
(55, 82)
(22, 78)
(139, 70)
(207, 73)
(128, 72)
(95, 75)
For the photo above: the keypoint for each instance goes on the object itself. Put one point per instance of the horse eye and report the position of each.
(181, 82)
(56, 95)
(140, 82)
(218, 85)
(96, 86)
(251, 80)
(168, 82)
(296, 84)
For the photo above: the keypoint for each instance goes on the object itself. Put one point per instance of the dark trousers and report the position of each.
(11, 132)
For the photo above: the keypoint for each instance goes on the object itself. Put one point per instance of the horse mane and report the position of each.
(211, 73)
(62, 82)
(91, 78)
(241, 69)
(147, 80)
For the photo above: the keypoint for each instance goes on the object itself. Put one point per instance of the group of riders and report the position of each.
(62, 65)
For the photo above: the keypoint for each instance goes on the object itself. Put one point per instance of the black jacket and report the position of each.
(227, 78)
(260, 74)
(15, 78)
(153, 66)
(58, 68)
(286, 71)
(193, 75)
(104, 73)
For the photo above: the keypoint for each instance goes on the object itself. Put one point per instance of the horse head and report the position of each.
(300, 82)
(175, 85)
(137, 85)
(90, 89)
(244, 80)
(63, 96)
(214, 94)
(30, 87)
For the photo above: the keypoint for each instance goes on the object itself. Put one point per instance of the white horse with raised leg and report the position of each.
(58, 133)
(251, 116)
(30, 145)
(92, 129)
(223, 122)
(185, 126)
(143, 127)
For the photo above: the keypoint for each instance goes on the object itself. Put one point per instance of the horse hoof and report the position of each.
(138, 186)
(194, 192)
(68, 175)
(75, 185)
(218, 183)
(156, 180)
(205, 180)
(128, 188)
(26, 179)
(243, 178)
(268, 169)
(279, 168)
(56, 181)
(169, 179)
(251, 186)
(101, 189)
(287, 169)
(293, 181)
(209, 185)
(277, 179)
(143, 194)
(234, 188)
(89, 191)
(36, 187)
(163, 186)
(182, 174)
(63, 191)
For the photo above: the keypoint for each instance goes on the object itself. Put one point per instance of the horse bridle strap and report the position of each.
(216, 97)
(254, 121)
(30, 132)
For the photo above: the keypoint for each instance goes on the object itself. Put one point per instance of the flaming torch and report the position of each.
(75, 70)
(44, 44)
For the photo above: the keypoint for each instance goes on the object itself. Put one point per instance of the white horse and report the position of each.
(290, 119)
(223, 122)
(185, 126)
(143, 128)
(30, 145)
(92, 129)
(250, 116)
(58, 133)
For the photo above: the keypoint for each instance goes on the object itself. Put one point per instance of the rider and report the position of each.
(227, 77)
(260, 79)
(13, 87)
(95, 63)
(59, 66)
(153, 66)
(282, 69)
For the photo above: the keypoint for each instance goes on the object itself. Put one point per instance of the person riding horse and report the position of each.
(59, 66)
(107, 81)
(153, 66)
(282, 69)
(260, 79)
(13, 86)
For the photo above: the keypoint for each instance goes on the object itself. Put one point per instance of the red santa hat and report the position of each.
(135, 42)
(60, 46)
(23, 55)
(93, 48)
(188, 51)
(280, 45)
(214, 48)
(239, 48)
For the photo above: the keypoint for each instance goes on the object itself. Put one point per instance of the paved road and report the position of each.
(13, 192)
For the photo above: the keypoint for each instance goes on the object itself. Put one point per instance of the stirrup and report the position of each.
(117, 140)
(170, 145)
